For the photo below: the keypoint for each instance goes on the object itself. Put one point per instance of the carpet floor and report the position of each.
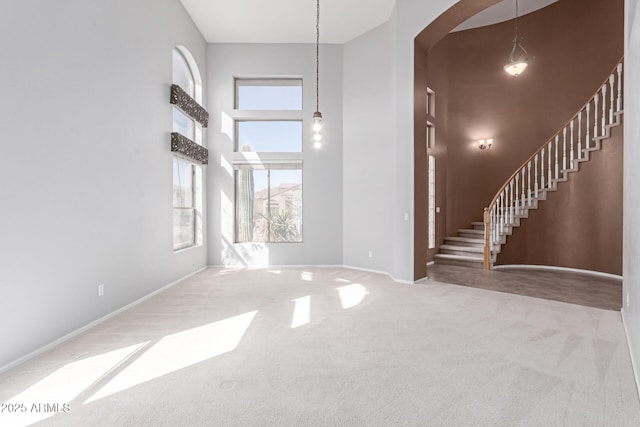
(332, 347)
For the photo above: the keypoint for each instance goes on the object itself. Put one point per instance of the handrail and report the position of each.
(555, 137)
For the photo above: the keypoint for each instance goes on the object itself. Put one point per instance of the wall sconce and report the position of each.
(485, 144)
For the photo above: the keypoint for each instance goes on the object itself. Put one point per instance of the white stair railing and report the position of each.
(508, 205)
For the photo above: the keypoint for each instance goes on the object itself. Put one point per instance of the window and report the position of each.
(270, 136)
(431, 135)
(431, 102)
(432, 202)
(184, 212)
(268, 162)
(187, 176)
(268, 205)
(268, 94)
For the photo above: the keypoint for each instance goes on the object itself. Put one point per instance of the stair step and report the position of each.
(465, 241)
(478, 234)
(463, 250)
(459, 260)
(478, 225)
(469, 249)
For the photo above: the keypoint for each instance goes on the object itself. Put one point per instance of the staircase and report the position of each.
(536, 177)
(466, 249)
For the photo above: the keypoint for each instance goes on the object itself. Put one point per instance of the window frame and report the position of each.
(197, 136)
(431, 167)
(268, 82)
(269, 167)
(269, 160)
(192, 208)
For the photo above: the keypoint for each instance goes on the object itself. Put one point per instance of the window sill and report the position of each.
(185, 249)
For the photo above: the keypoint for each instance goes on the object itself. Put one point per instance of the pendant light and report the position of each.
(516, 64)
(317, 116)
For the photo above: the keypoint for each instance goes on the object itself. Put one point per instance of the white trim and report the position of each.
(633, 365)
(554, 268)
(429, 264)
(406, 282)
(349, 267)
(88, 326)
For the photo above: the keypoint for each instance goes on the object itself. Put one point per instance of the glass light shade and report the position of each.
(317, 121)
(317, 137)
(516, 68)
(317, 144)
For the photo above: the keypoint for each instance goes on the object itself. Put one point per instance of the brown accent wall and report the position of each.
(580, 225)
(575, 43)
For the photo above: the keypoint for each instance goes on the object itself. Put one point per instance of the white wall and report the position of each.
(322, 170)
(368, 154)
(86, 168)
(390, 112)
(631, 221)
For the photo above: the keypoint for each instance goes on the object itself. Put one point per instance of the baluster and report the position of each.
(496, 232)
(529, 180)
(557, 138)
(619, 106)
(542, 170)
(498, 218)
(611, 96)
(511, 206)
(604, 109)
(517, 199)
(580, 135)
(571, 155)
(564, 150)
(587, 141)
(522, 199)
(504, 209)
(549, 176)
(595, 116)
(535, 180)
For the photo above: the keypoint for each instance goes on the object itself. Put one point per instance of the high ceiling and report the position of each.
(286, 21)
(293, 21)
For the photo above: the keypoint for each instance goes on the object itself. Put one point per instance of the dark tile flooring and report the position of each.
(574, 288)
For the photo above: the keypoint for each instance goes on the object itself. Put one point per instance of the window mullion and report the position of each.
(269, 205)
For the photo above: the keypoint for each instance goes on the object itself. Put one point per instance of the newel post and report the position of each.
(487, 239)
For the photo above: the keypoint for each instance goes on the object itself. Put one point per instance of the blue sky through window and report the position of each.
(270, 136)
(252, 95)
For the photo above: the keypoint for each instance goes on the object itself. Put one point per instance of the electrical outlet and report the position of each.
(100, 290)
(370, 254)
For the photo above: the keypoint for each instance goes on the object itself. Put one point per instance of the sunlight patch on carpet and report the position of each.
(66, 384)
(180, 350)
(301, 312)
(352, 295)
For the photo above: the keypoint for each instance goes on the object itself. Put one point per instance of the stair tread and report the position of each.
(465, 239)
(462, 248)
(471, 231)
(460, 257)
(477, 223)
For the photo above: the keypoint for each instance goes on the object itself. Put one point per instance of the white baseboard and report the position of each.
(633, 364)
(554, 268)
(349, 267)
(88, 326)
(386, 273)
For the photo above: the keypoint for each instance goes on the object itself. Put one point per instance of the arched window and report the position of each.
(187, 176)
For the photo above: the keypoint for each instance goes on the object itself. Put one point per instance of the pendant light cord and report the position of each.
(318, 55)
(516, 19)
